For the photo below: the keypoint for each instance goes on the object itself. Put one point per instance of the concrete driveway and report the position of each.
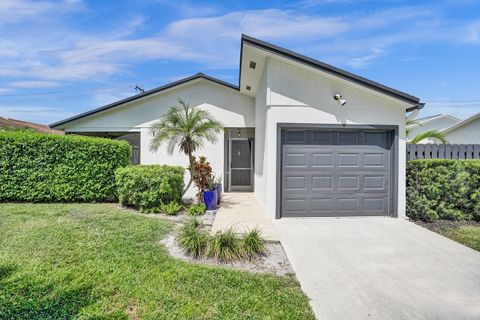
(381, 268)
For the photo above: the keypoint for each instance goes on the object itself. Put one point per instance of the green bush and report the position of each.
(170, 208)
(37, 167)
(196, 209)
(224, 245)
(443, 189)
(252, 243)
(146, 187)
(192, 240)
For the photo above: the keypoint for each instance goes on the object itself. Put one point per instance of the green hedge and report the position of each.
(443, 189)
(147, 187)
(37, 167)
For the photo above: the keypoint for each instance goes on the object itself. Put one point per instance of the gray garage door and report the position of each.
(336, 173)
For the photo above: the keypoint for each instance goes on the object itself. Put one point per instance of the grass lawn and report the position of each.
(467, 235)
(94, 261)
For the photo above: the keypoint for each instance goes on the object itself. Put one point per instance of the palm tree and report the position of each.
(187, 128)
(431, 134)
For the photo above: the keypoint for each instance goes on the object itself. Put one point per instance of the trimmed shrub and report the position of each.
(36, 167)
(443, 189)
(146, 187)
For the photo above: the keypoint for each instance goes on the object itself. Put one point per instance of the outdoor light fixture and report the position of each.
(338, 97)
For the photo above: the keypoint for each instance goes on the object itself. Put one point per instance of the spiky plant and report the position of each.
(171, 208)
(252, 243)
(186, 128)
(192, 240)
(224, 245)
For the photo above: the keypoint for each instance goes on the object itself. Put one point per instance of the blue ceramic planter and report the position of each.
(218, 189)
(210, 199)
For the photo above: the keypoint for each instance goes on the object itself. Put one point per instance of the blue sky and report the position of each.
(60, 58)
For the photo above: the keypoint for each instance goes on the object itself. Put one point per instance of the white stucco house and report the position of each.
(464, 132)
(437, 122)
(307, 138)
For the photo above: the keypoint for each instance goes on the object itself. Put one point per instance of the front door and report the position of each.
(241, 159)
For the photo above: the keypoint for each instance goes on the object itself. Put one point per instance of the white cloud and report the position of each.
(39, 114)
(472, 34)
(12, 11)
(355, 39)
(34, 84)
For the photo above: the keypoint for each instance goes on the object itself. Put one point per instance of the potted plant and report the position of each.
(210, 195)
(218, 188)
(203, 180)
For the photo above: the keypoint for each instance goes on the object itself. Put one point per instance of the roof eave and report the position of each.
(144, 94)
(333, 70)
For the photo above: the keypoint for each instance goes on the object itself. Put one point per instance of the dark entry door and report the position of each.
(336, 173)
(241, 151)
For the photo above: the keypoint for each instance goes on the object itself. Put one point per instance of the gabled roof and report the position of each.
(145, 94)
(421, 121)
(462, 123)
(331, 70)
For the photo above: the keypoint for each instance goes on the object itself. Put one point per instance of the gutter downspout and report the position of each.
(414, 111)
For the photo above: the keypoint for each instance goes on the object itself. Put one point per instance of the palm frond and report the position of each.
(408, 131)
(184, 127)
(431, 134)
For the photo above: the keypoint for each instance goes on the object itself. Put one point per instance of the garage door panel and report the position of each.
(295, 160)
(348, 160)
(377, 183)
(374, 204)
(322, 183)
(374, 160)
(323, 137)
(348, 183)
(297, 183)
(348, 175)
(324, 160)
(348, 138)
(322, 204)
(347, 204)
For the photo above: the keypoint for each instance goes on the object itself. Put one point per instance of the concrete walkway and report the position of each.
(242, 211)
(381, 268)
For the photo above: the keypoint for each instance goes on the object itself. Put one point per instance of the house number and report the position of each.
(238, 153)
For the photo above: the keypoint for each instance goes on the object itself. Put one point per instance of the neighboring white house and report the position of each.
(286, 137)
(437, 122)
(464, 132)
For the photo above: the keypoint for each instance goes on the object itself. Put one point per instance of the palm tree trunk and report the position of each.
(191, 169)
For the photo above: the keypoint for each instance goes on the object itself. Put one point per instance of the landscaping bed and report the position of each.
(62, 261)
(464, 232)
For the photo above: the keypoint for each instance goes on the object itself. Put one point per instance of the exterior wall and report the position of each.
(439, 123)
(230, 107)
(467, 134)
(260, 166)
(295, 95)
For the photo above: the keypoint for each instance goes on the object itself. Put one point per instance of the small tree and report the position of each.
(186, 128)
